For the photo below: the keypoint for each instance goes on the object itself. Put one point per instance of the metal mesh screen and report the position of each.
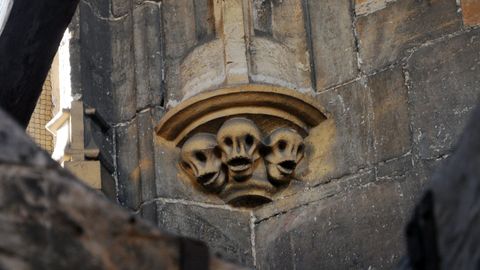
(42, 114)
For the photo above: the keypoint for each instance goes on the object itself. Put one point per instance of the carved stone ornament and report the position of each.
(243, 143)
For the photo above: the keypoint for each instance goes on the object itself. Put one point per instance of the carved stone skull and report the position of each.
(239, 140)
(201, 158)
(284, 150)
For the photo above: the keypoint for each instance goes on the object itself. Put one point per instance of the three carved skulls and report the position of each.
(235, 152)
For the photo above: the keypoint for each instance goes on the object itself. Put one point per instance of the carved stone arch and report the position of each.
(270, 107)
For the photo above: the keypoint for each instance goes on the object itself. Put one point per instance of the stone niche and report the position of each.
(241, 143)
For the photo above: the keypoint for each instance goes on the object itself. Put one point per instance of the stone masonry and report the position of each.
(398, 79)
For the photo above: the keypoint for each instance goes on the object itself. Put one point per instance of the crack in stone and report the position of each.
(253, 238)
(189, 203)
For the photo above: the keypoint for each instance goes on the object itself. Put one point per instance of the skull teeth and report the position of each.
(239, 164)
(287, 166)
(208, 178)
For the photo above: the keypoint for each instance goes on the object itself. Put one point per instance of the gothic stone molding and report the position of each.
(241, 143)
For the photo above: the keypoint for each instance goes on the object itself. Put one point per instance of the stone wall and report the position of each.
(397, 78)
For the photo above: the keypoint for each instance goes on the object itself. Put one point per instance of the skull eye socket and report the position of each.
(228, 141)
(200, 156)
(282, 145)
(249, 140)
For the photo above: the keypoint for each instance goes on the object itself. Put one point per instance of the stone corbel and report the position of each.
(242, 143)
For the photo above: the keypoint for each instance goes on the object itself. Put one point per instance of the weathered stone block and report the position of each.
(128, 170)
(147, 38)
(445, 85)
(386, 34)
(301, 196)
(107, 65)
(120, 7)
(359, 228)
(204, 20)
(179, 19)
(87, 171)
(101, 8)
(471, 12)
(394, 168)
(391, 122)
(123, 74)
(343, 142)
(334, 52)
(410, 177)
(281, 57)
(226, 231)
(94, 55)
(364, 7)
(109, 185)
(146, 163)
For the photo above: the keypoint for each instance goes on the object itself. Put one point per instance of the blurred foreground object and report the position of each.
(50, 220)
(28, 44)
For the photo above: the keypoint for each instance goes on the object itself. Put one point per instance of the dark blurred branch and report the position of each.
(28, 45)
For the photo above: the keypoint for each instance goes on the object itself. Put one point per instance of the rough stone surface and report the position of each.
(283, 55)
(391, 123)
(386, 34)
(350, 145)
(146, 164)
(149, 54)
(128, 172)
(330, 233)
(334, 51)
(438, 74)
(107, 67)
(179, 18)
(364, 7)
(226, 231)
